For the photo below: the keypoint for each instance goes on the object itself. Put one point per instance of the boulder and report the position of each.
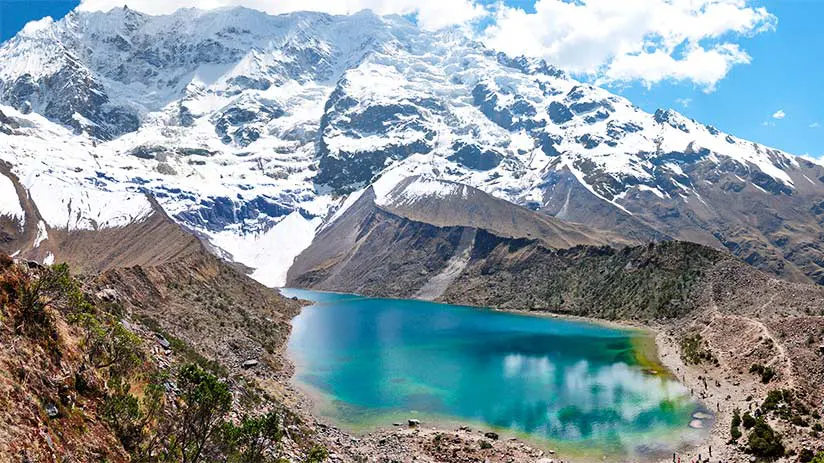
(491, 435)
(414, 423)
(107, 294)
(51, 410)
(250, 363)
(164, 343)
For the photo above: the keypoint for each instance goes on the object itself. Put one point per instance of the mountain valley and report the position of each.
(184, 165)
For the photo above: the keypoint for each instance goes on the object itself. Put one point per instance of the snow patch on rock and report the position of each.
(9, 202)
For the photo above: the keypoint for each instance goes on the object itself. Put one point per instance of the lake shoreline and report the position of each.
(656, 353)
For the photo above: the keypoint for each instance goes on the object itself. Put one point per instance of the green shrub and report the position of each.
(202, 405)
(735, 432)
(247, 442)
(766, 373)
(805, 456)
(694, 351)
(775, 398)
(122, 413)
(108, 344)
(318, 454)
(748, 421)
(736, 418)
(799, 421)
(764, 442)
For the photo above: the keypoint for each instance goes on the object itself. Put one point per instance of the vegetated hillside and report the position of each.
(450, 242)
(223, 314)
(654, 281)
(101, 369)
(236, 120)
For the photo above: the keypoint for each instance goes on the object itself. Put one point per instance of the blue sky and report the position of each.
(784, 72)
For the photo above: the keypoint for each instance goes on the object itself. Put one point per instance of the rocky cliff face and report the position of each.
(235, 120)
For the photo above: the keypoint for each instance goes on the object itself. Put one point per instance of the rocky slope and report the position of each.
(250, 129)
(423, 232)
(92, 368)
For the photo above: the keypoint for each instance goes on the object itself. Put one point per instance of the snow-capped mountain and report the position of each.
(252, 129)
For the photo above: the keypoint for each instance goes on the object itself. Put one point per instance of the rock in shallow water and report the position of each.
(697, 424)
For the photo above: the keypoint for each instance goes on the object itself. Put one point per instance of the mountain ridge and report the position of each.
(235, 120)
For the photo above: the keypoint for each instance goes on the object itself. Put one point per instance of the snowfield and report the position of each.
(257, 128)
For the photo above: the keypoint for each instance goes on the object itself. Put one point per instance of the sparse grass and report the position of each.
(183, 349)
(695, 351)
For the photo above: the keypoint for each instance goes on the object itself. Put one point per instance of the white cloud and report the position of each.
(646, 40)
(815, 125)
(780, 114)
(610, 41)
(431, 14)
(685, 102)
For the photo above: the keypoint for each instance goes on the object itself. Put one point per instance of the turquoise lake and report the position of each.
(578, 387)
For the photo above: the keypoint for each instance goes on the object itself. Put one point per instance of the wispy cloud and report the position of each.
(815, 125)
(780, 114)
(685, 102)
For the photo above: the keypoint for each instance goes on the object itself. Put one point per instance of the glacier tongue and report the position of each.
(270, 253)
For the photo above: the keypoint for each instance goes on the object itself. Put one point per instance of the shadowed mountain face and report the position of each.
(422, 233)
(235, 120)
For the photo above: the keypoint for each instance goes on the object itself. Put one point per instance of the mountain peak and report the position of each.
(235, 119)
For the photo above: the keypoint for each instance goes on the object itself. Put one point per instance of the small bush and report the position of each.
(485, 445)
(694, 351)
(805, 456)
(248, 442)
(203, 402)
(764, 442)
(735, 432)
(799, 421)
(122, 413)
(766, 373)
(748, 421)
(318, 454)
(775, 398)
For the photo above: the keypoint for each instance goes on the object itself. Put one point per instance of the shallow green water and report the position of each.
(578, 386)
